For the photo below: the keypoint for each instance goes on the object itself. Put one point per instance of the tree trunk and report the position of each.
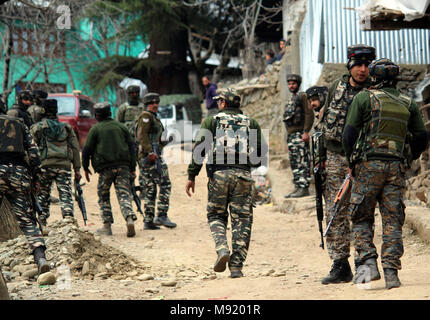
(168, 69)
(6, 67)
(9, 228)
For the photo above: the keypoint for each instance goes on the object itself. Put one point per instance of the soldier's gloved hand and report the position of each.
(87, 174)
(77, 176)
(152, 157)
(36, 187)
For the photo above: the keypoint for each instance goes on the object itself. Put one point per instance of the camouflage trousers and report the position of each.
(339, 235)
(150, 181)
(231, 189)
(299, 155)
(15, 186)
(120, 177)
(382, 182)
(63, 179)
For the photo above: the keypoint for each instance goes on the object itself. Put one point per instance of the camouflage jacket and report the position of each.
(129, 115)
(148, 131)
(336, 107)
(66, 140)
(18, 112)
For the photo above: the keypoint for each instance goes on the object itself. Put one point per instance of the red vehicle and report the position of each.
(77, 110)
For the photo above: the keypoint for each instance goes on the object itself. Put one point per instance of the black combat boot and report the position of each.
(236, 274)
(163, 220)
(40, 260)
(391, 278)
(221, 261)
(105, 230)
(368, 271)
(150, 226)
(301, 192)
(340, 272)
(130, 227)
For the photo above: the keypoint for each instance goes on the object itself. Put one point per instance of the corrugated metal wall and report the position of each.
(342, 28)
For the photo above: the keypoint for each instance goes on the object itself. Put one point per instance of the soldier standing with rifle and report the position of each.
(298, 121)
(341, 93)
(155, 171)
(19, 179)
(59, 150)
(384, 132)
(111, 150)
(128, 114)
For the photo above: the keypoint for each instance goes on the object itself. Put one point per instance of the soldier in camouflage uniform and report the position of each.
(340, 95)
(111, 149)
(316, 97)
(384, 131)
(24, 100)
(298, 121)
(228, 138)
(18, 179)
(36, 110)
(154, 169)
(59, 149)
(128, 113)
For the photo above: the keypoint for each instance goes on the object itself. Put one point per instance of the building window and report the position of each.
(30, 42)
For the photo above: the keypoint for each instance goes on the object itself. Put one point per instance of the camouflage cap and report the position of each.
(101, 107)
(133, 89)
(316, 91)
(24, 95)
(227, 94)
(384, 69)
(360, 53)
(294, 77)
(151, 97)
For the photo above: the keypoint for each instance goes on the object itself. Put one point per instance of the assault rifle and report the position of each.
(342, 194)
(318, 187)
(135, 196)
(80, 200)
(37, 210)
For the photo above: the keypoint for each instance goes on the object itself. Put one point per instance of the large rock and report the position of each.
(47, 278)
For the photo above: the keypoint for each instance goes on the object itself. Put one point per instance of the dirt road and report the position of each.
(284, 260)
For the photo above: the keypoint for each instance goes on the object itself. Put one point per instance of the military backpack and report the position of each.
(11, 135)
(53, 141)
(387, 131)
(231, 140)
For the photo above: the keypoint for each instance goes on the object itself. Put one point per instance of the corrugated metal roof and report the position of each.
(342, 28)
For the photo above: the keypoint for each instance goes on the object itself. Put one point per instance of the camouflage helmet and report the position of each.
(50, 106)
(150, 98)
(131, 89)
(24, 95)
(294, 77)
(360, 53)
(102, 108)
(384, 69)
(230, 95)
(318, 91)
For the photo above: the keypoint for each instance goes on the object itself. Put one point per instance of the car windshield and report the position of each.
(66, 106)
(165, 112)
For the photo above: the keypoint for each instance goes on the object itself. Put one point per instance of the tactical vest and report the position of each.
(335, 117)
(231, 140)
(11, 135)
(386, 132)
(53, 143)
(294, 114)
(157, 128)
